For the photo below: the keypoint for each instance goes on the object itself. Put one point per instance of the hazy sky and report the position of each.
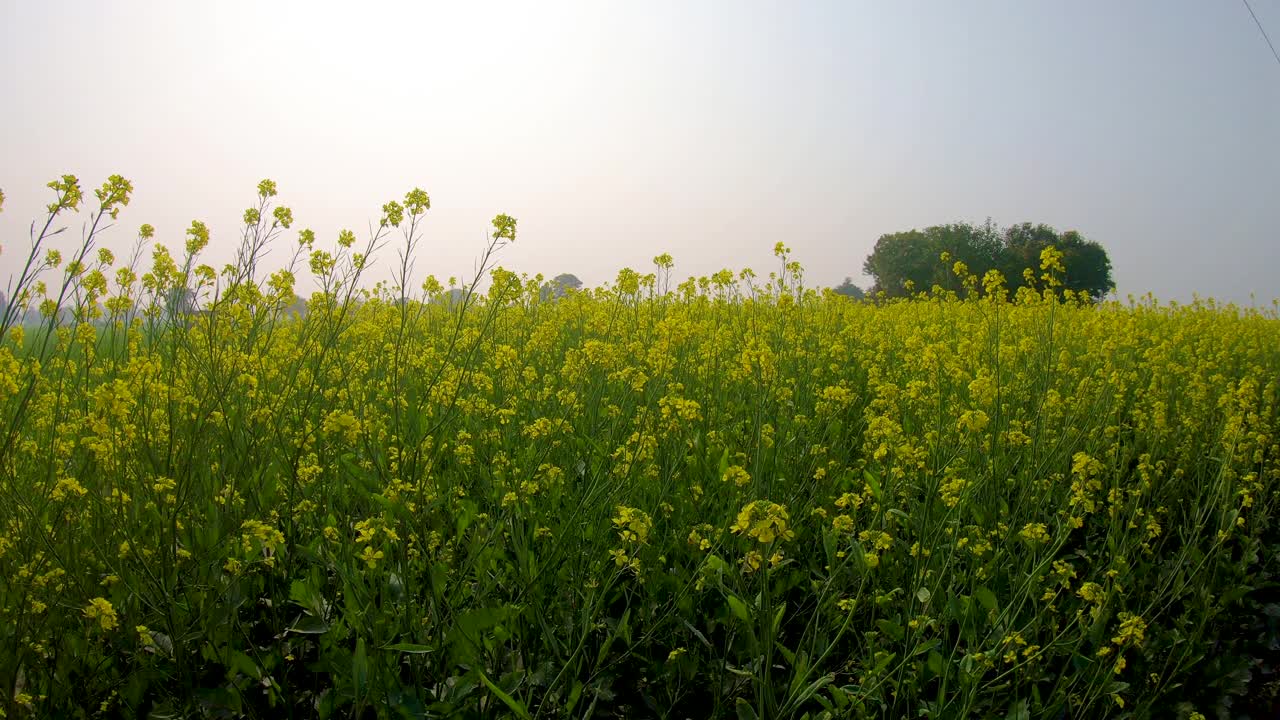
(710, 130)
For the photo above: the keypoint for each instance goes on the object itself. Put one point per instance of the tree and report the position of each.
(451, 298)
(848, 289)
(560, 285)
(180, 301)
(901, 262)
(913, 259)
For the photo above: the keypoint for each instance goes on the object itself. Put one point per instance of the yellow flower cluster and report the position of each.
(100, 609)
(764, 521)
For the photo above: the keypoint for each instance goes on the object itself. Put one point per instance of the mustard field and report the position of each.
(731, 496)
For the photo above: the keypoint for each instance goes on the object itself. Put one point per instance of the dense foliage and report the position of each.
(907, 263)
(735, 498)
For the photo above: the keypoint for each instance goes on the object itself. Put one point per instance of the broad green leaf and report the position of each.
(310, 625)
(935, 663)
(245, 665)
(1018, 711)
(986, 598)
(574, 695)
(512, 704)
(891, 629)
(874, 484)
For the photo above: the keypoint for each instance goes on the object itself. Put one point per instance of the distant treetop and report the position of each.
(911, 261)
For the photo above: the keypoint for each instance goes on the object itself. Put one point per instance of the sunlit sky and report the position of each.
(709, 130)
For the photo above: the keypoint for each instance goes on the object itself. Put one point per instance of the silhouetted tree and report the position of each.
(559, 285)
(181, 301)
(847, 288)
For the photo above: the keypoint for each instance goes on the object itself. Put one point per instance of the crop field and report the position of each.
(732, 496)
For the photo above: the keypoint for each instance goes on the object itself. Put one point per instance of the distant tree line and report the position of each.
(904, 263)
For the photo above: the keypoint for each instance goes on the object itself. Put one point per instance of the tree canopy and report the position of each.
(848, 289)
(911, 261)
(559, 285)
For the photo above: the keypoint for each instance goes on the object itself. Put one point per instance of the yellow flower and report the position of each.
(849, 500)
(763, 520)
(633, 525)
(100, 609)
(736, 475)
(1132, 630)
(1035, 533)
(876, 539)
(371, 556)
(1092, 592)
(842, 524)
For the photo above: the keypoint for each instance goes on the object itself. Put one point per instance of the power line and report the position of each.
(1262, 30)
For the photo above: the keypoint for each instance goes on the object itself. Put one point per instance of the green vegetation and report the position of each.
(736, 498)
(906, 263)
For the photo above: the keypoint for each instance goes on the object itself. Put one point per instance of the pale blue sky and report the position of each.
(709, 130)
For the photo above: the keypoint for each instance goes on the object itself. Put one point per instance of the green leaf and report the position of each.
(935, 663)
(698, 634)
(922, 649)
(466, 512)
(986, 598)
(574, 695)
(840, 696)
(410, 648)
(474, 622)
(724, 463)
(892, 629)
(874, 484)
(514, 705)
(923, 595)
(1230, 597)
(624, 626)
(812, 689)
(310, 625)
(885, 661)
(439, 580)
(245, 665)
(1018, 711)
(739, 608)
(745, 711)
(360, 669)
(787, 655)
(777, 617)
